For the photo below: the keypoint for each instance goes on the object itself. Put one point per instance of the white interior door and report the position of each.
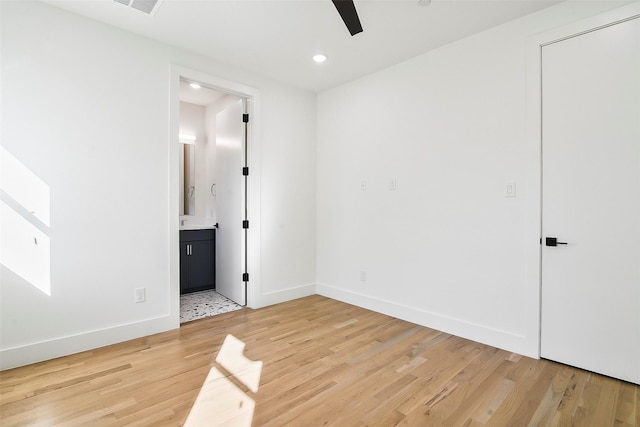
(230, 199)
(591, 201)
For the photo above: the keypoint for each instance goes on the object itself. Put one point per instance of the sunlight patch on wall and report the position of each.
(25, 250)
(25, 187)
(25, 211)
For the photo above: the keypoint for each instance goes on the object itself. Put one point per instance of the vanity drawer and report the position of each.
(196, 235)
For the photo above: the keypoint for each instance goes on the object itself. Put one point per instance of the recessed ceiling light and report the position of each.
(194, 85)
(319, 58)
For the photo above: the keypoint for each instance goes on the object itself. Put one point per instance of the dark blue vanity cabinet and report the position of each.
(197, 260)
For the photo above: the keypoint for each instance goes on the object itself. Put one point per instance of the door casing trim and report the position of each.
(252, 95)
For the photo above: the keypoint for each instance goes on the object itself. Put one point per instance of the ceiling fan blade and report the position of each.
(347, 11)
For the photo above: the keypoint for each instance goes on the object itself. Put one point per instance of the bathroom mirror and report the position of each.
(188, 178)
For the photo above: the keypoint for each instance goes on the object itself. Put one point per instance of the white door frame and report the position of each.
(534, 148)
(253, 108)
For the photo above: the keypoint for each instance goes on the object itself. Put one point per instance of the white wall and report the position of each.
(85, 106)
(445, 249)
(285, 164)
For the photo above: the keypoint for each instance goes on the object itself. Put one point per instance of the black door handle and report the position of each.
(553, 241)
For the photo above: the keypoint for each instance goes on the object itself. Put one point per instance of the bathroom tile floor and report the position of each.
(198, 305)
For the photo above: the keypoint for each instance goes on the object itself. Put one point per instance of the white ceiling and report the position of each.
(203, 96)
(277, 38)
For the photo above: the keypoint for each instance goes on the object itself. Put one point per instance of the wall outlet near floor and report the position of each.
(510, 189)
(363, 276)
(140, 295)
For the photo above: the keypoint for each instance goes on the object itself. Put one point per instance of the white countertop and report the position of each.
(197, 227)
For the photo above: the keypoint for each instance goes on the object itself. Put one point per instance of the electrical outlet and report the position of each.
(392, 184)
(363, 186)
(510, 189)
(140, 295)
(363, 276)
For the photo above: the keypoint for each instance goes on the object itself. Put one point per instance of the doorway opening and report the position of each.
(211, 154)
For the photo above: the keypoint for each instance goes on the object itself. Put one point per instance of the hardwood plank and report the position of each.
(533, 391)
(448, 383)
(546, 411)
(526, 374)
(325, 363)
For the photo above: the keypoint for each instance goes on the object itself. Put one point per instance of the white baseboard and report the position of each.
(289, 294)
(64, 346)
(46, 350)
(37, 352)
(497, 338)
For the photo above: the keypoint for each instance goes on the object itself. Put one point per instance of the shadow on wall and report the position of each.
(220, 401)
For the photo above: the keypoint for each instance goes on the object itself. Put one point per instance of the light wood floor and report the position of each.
(325, 363)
